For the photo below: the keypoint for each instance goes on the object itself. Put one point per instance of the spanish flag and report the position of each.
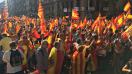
(35, 34)
(129, 17)
(83, 23)
(127, 7)
(75, 14)
(96, 22)
(5, 28)
(17, 28)
(120, 21)
(113, 27)
(41, 17)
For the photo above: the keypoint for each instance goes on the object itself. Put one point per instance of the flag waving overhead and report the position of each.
(127, 7)
(75, 15)
(41, 17)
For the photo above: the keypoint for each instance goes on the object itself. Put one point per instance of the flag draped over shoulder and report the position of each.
(41, 17)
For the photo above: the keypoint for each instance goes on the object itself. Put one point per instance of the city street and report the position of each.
(65, 36)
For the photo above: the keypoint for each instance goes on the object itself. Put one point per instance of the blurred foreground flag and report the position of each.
(129, 30)
(129, 16)
(127, 6)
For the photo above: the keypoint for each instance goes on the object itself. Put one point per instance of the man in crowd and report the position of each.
(13, 57)
(42, 57)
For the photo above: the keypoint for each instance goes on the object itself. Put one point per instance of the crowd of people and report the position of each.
(66, 46)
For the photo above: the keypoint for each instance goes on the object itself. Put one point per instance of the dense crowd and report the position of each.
(66, 46)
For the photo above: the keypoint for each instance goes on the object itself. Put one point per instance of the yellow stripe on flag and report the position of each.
(127, 6)
(129, 17)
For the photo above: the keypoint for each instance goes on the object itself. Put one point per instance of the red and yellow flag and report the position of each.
(119, 21)
(129, 17)
(95, 22)
(5, 29)
(17, 28)
(41, 17)
(75, 14)
(85, 21)
(113, 27)
(127, 7)
(35, 34)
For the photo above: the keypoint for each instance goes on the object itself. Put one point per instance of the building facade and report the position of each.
(60, 8)
(89, 8)
(22, 7)
(2, 4)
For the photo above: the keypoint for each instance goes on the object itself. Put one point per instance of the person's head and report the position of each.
(13, 45)
(44, 44)
(57, 44)
(79, 41)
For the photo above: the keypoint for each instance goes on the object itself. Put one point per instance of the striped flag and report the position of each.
(41, 17)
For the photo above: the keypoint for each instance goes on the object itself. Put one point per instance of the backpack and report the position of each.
(15, 58)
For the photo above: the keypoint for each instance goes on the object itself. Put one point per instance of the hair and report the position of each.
(5, 35)
(56, 44)
(13, 44)
(79, 41)
(44, 42)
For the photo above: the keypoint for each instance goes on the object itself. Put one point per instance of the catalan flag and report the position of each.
(41, 17)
